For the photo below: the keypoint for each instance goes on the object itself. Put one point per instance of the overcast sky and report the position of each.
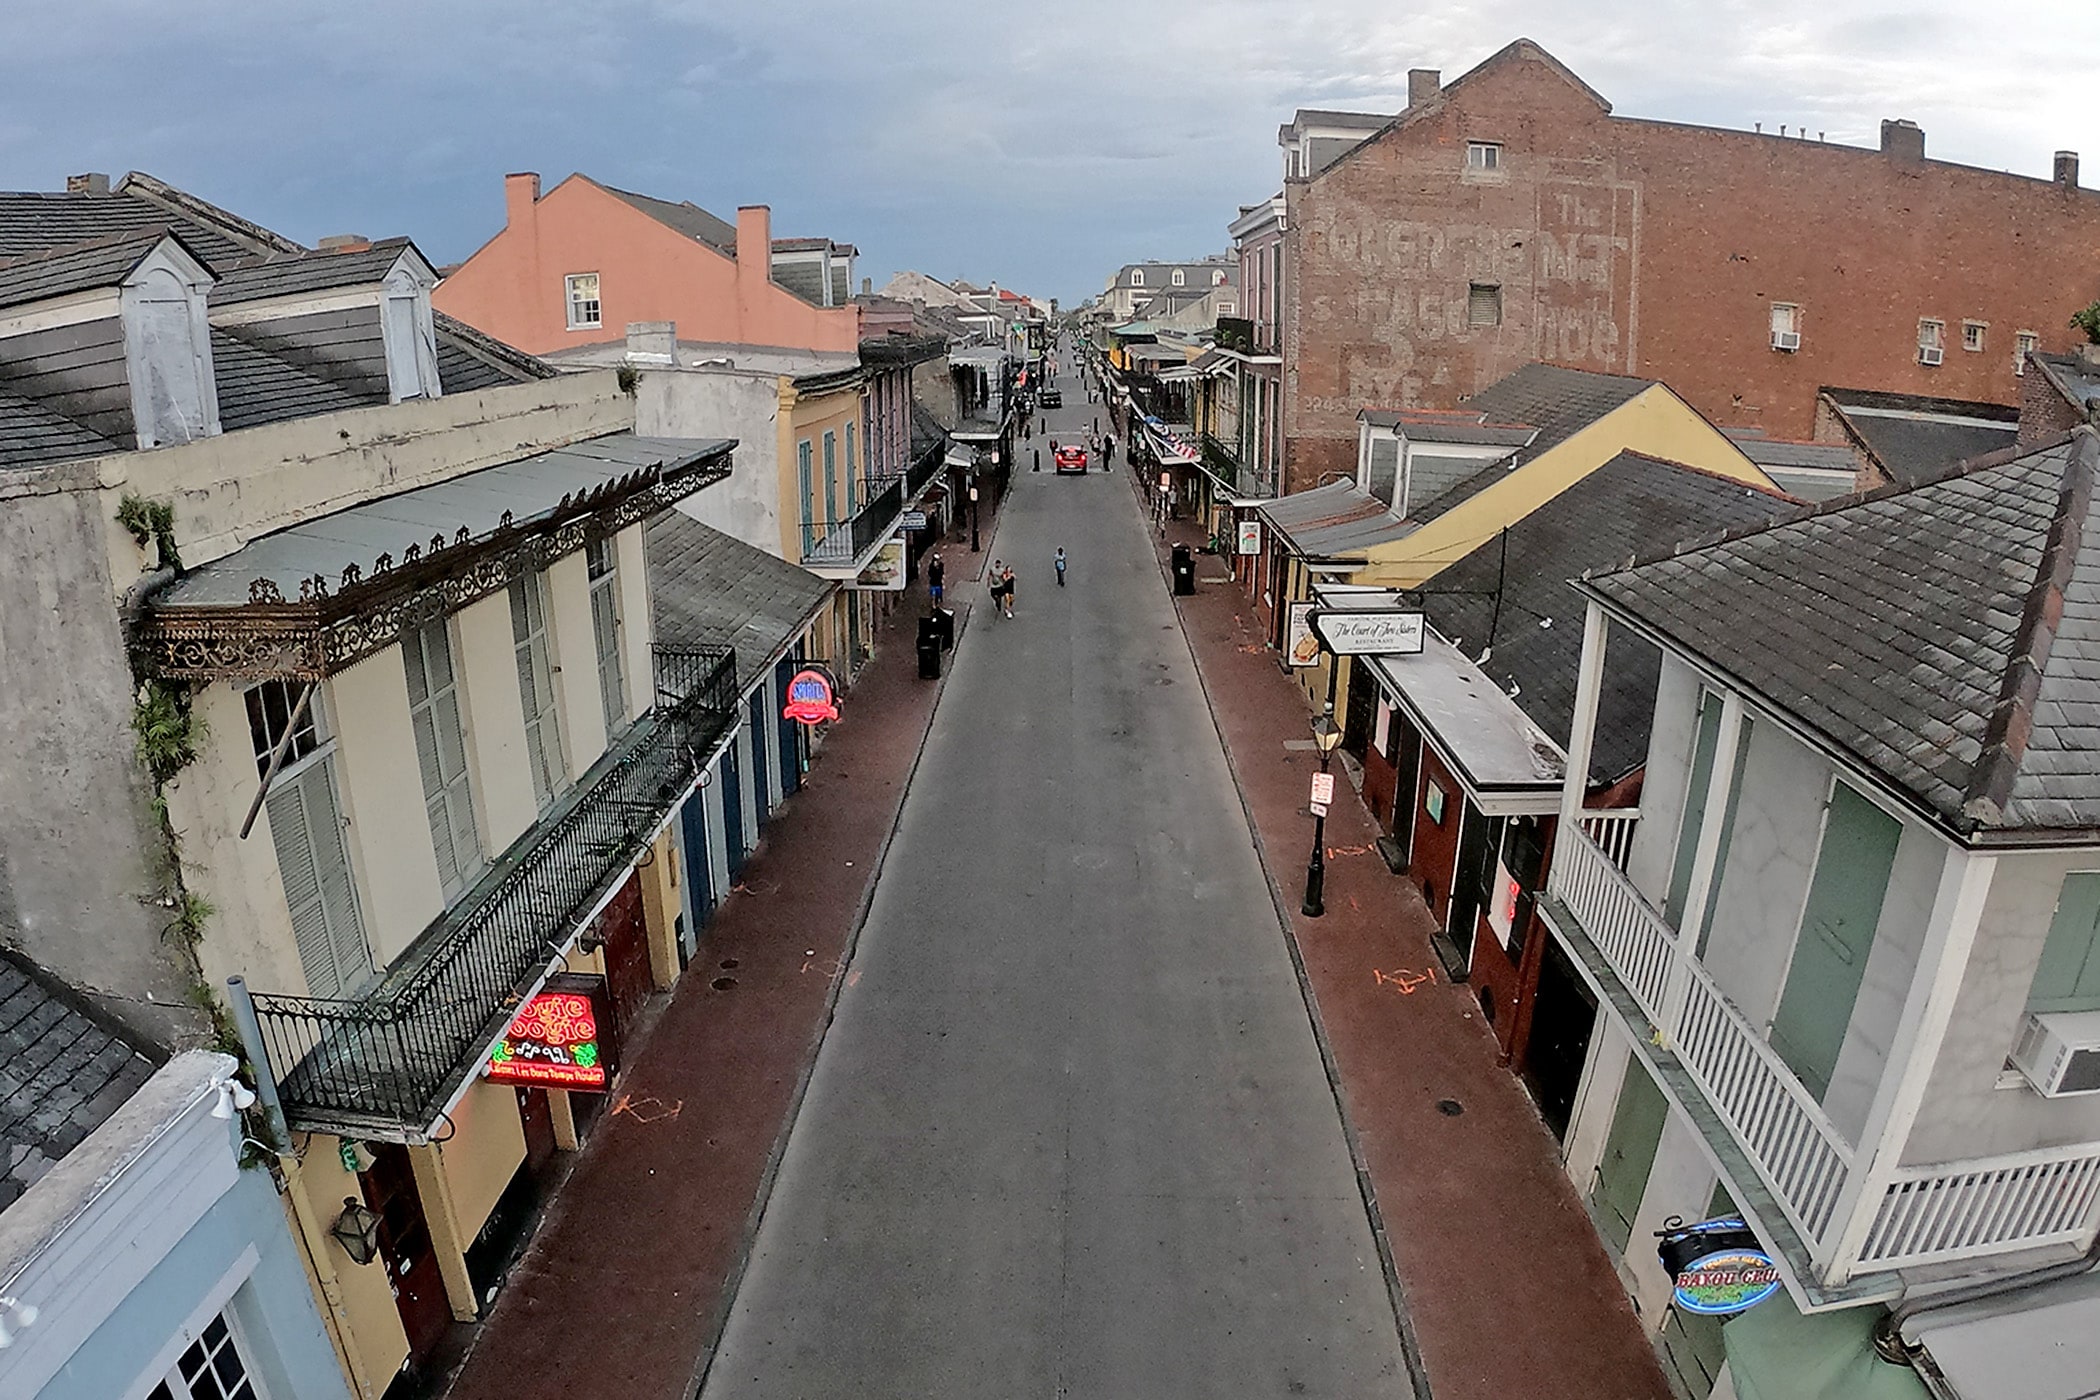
(1039, 145)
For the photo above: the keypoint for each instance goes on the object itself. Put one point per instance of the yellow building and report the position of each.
(1433, 486)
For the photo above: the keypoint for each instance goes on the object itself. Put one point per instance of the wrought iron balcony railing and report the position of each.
(384, 1064)
(837, 543)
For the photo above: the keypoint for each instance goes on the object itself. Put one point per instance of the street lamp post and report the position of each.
(1328, 737)
(973, 517)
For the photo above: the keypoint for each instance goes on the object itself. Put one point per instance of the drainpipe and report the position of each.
(143, 587)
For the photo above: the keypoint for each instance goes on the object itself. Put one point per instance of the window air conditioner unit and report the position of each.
(1929, 354)
(2059, 1052)
(1786, 340)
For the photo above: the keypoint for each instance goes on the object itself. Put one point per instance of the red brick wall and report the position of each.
(1649, 248)
(2044, 413)
(1436, 845)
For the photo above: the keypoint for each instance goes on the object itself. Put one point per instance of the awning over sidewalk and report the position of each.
(1776, 1353)
(1508, 765)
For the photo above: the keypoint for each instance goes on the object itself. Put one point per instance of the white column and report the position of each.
(1957, 911)
(1705, 857)
(1582, 729)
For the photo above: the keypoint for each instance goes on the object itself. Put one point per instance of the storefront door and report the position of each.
(699, 870)
(761, 778)
(732, 810)
(1629, 1154)
(1476, 858)
(405, 1248)
(789, 731)
(627, 979)
(1563, 1014)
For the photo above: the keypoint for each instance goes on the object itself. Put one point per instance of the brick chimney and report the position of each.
(2067, 169)
(344, 243)
(754, 237)
(94, 182)
(1423, 85)
(520, 192)
(1903, 141)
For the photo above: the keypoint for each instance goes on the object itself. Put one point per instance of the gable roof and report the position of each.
(708, 588)
(1558, 401)
(1943, 637)
(1912, 438)
(683, 217)
(291, 274)
(1518, 50)
(65, 1074)
(1515, 599)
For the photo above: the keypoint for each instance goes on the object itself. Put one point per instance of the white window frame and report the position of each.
(2025, 343)
(1973, 335)
(1932, 334)
(1180, 278)
(219, 1301)
(1483, 155)
(1137, 277)
(573, 301)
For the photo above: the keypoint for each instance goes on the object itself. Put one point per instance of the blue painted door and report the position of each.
(790, 738)
(761, 781)
(733, 811)
(699, 867)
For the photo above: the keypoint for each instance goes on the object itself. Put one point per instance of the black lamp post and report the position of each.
(1327, 736)
(973, 516)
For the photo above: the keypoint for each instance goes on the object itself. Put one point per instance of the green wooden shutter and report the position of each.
(1837, 932)
(2068, 978)
(1629, 1155)
(831, 478)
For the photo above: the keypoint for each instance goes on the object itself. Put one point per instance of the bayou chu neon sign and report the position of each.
(552, 1044)
(809, 699)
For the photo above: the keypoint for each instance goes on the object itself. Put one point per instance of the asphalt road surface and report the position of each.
(1069, 1134)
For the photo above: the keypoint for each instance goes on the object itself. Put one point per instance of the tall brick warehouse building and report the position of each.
(1510, 217)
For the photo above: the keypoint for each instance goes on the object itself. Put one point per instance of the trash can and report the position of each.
(1184, 566)
(944, 622)
(929, 653)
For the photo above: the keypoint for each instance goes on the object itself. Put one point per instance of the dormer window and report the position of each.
(167, 349)
(406, 328)
(1179, 277)
(1137, 277)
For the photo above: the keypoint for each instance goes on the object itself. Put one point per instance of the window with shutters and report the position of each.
(441, 755)
(528, 630)
(1483, 305)
(831, 478)
(603, 566)
(306, 828)
(210, 1368)
(852, 487)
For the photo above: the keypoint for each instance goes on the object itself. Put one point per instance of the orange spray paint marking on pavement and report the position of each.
(648, 1110)
(1404, 980)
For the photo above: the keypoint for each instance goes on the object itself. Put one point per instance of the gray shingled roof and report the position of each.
(257, 387)
(1945, 636)
(1915, 438)
(293, 274)
(82, 268)
(62, 1073)
(687, 218)
(36, 222)
(1631, 504)
(1558, 402)
(711, 589)
(31, 434)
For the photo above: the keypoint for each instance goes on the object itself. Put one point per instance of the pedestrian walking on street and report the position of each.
(936, 571)
(1108, 450)
(1006, 578)
(1060, 566)
(998, 581)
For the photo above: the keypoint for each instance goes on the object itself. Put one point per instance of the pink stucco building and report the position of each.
(575, 265)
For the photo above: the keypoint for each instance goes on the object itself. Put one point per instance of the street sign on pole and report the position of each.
(912, 520)
(1323, 789)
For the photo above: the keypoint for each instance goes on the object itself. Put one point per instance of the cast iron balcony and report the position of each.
(386, 1063)
(835, 544)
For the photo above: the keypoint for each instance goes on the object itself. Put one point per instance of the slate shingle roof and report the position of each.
(1558, 402)
(1534, 640)
(292, 274)
(1945, 636)
(257, 387)
(83, 267)
(1914, 438)
(36, 222)
(32, 434)
(711, 589)
(61, 1074)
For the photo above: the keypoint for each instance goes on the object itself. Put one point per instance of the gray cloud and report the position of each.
(1040, 145)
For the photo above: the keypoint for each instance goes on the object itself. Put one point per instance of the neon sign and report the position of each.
(1718, 1267)
(552, 1043)
(809, 699)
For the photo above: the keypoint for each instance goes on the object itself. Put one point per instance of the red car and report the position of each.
(1069, 459)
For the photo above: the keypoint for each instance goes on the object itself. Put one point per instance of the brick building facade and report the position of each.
(1510, 217)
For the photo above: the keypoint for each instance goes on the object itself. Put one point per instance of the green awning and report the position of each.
(1776, 1353)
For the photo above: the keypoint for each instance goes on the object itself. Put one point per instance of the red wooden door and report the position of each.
(627, 979)
(405, 1248)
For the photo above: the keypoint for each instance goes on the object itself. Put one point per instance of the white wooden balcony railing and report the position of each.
(2027, 1200)
(1612, 829)
(1792, 1143)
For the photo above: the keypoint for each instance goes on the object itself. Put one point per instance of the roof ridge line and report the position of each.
(2004, 743)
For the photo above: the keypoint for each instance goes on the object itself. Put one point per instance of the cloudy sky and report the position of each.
(1041, 144)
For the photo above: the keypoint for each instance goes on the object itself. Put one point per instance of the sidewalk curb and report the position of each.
(733, 1281)
(1410, 1347)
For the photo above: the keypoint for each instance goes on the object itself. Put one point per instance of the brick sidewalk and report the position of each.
(1509, 1291)
(625, 1287)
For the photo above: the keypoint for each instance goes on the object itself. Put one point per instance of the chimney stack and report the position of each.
(520, 192)
(652, 342)
(344, 243)
(2067, 169)
(867, 286)
(754, 238)
(94, 182)
(1423, 85)
(1903, 141)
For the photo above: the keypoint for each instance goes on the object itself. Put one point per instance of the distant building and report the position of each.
(1512, 217)
(1137, 285)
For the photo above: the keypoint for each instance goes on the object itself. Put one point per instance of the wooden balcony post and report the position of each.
(1705, 862)
(1582, 728)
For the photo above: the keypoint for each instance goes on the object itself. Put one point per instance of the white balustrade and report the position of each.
(2023, 1201)
(1612, 830)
